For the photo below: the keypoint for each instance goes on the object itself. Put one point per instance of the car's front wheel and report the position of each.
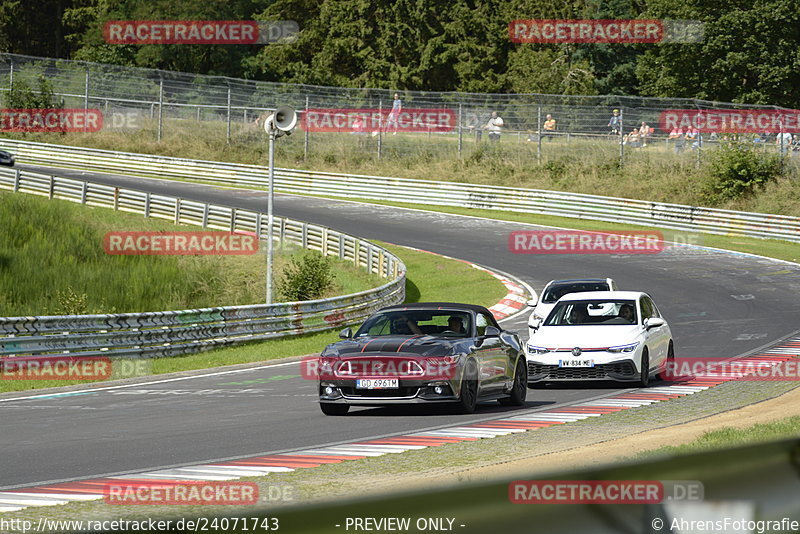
(644, 374)
(520, 388)
(468, 396)
(669, 366)
(333, 409)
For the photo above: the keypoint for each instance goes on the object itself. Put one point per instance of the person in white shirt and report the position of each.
(783, 142)
(494, 126)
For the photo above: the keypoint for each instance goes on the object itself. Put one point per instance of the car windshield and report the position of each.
(593, 312)
(440, 323)
(555, 292)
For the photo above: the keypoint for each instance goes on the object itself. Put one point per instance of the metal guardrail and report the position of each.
(574, 205)
(172, 333)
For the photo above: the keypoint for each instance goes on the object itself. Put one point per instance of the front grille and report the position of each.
(618, 370)
(379, 393)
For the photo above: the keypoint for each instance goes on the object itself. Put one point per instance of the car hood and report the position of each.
(422, 345)
(585, 336)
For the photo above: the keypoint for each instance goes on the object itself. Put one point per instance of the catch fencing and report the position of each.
(174, 333)
(429, 192)
(211, 108)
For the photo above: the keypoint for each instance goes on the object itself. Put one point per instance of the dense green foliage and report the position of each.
(307, 277)
(750, 53)
(738, 169)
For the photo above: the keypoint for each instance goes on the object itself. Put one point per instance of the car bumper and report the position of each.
(409, 392)
(621, 370)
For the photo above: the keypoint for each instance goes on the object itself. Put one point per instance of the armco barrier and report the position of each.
(171, 333)
(600, 208)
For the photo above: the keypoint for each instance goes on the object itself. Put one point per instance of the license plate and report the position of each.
(377, 383)
(576, 363)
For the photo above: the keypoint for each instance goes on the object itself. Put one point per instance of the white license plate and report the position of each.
(377, 383)
(576, 363)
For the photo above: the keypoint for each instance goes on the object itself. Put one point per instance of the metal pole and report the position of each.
(539, 135)
(380, 128)
(228, 133)
(270, 192)
(621, 144)
(305, 136)
(86, 96)
(460, 130)
(160, 105)
(11, 75)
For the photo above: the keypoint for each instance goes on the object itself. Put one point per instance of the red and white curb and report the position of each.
(96, 489)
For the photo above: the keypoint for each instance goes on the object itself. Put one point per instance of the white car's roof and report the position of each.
(603, 295)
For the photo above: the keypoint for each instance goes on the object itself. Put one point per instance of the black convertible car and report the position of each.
(434, 352)
(6, 158)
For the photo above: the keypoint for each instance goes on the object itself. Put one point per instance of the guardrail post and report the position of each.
(356, 253)
(233, 220)
(177, 211)
(205, 215)
(17, 175)
(84, 189)
(341, 246)
(324, 241)
(305, 235)
(258, 226)
(370, 253)
(381, 269)
(147, 205)
(116, 198)
(52, 186)
(282, 232)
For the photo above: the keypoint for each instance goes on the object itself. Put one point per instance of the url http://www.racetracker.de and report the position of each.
(195, 524)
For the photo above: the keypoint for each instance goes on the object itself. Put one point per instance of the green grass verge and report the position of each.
(52, 262)
(430, 278)
(732, 437)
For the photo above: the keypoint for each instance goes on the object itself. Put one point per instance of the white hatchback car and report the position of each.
(555, 289)
(601, 335)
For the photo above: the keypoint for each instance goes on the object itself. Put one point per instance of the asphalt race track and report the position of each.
(718, 304)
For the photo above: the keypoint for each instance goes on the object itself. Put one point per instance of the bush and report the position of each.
(736, 170)
(306, 277)
(21, 96)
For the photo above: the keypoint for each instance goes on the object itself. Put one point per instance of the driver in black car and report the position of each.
(455, 324)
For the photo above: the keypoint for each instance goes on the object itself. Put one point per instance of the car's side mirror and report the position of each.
(491, 331)
(532, 303)
(347, 333)
(653, 322)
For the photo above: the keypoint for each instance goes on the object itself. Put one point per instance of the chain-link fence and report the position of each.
(163, 105)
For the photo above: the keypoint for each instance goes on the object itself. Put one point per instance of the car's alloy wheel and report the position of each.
(468, 397)
(333, 409)
(644, 376)
(670, 363)
(520, 388)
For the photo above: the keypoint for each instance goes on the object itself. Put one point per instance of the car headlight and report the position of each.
(533, 349)
(624, 348)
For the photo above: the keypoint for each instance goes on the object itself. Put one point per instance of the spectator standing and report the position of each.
(644, 133)
(495, 126)
(549, 127)
(615, 123)
(783, 142)
(680, 142)
(394, 115)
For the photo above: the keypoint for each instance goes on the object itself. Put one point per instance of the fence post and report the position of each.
(380, 128)
(147, 205)
(11, 76)
(52, 186)
(228, 131)
(17, 176)
(621, 143)
(460, 130)
(539, 134)
(341, 246)
(282, 232)
(233, 220)
(86, 96)
(160, 104)
(205, 215)
(305, 136)
(198, 114)
(258, 226)
(177, 211)
(84, 188)
(305, 235)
